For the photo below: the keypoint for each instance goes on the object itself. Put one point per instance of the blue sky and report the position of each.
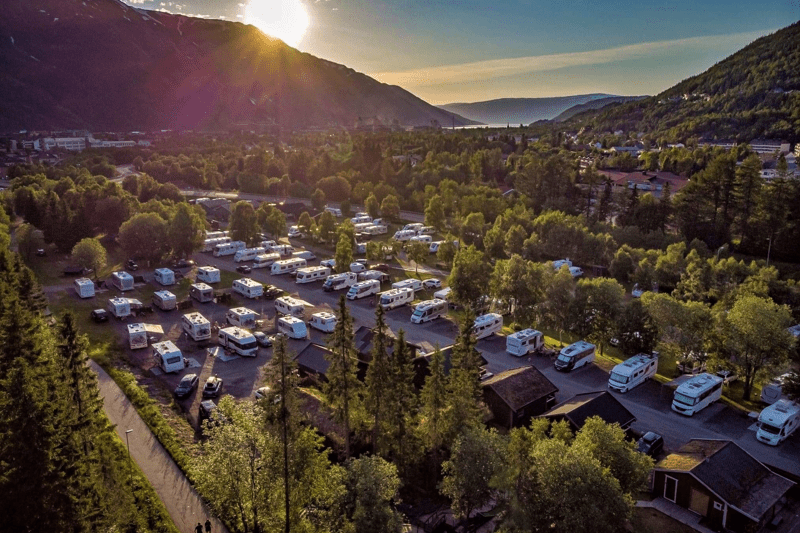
(471, 50)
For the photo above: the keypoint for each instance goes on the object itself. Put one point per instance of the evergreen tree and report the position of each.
(378, 376)
(402, 402)
(464, 390)
(432, 416)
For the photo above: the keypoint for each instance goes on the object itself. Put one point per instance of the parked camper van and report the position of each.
(241, 317)
(248, 288)
(84, 287)
(357, 266)
(292, 327)
(216, 234)
(697, 394)
(164, 276)
(309, 274)
(324, 321)
(210, 244)
(248, 254)
(426, 239)
(137, 336)
(376, 229)
(394, 298)
(122, 281)
(777, 421)
(119, 307)
(404, 235)
(486, 325)
(575, 356)
(238, 340)
(285, 250)
(524, 342)
(429, 310)
(337, 282)
(362, 289)
(196, 326)
(286, 305)
(168, 357)
(266, 260)
(229, 248)
(443, 294)
(201, 292)
(633, 372)
(165, 300)
(361, 218)
(335, 211)
(561, 262)
(414, 226)
(308, 255)
(287, 266)
(373, 274)
(410, 283)
(208, 274)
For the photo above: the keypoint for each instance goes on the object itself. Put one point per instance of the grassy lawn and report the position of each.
(647, 520)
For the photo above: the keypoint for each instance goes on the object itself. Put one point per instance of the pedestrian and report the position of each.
(198, 528)
(208, 525)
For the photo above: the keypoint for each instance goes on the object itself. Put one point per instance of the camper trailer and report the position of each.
(122, 281)
(324, 321)
(308, 255)
(443, 294)
(287, 266)
(248, 288)
(292, 327)
(119, 307)
(338, 282)
(216, 234)
(410, 283)
(486, 325)
(266, 260)
(373, 274)
(286, 305)
(575, 356)
(335, 211)
(416, 227)
(633, 372)
(201, 292)
(394, 298)
(404, 235)
(696, 394)
(241, 317)
(777, 421)
(524, 342)
(164, 276)
(361, 218)
(429, 310)
(208, 274)
(209, 245)
(168, 357)
(773, 391)
(238, 340)
(248, 254)
(426, 239)
(362, 289)
(309, 274)
(376, 229)
(165, 300)
(196, 326)
(229, 248)
(285, 250)
(137, 336)
(84, 287)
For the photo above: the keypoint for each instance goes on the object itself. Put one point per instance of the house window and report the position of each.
(670, 488)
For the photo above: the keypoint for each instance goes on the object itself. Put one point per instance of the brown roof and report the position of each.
(519, 387)
(676, 182)
(585, 405)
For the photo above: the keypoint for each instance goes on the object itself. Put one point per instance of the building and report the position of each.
(648, 181)
(767, 146)
(517, 395)
(633, 150)
(312, 362)
(721, 482)
(588, 404)
(422, 364)
(75, 144)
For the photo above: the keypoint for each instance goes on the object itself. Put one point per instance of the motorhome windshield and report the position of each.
(619, 378)
(685, 400)
(769, 428)
(564, 358)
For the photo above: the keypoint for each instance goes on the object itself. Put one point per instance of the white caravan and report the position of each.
(292, 327)
(84, 287)
(210, 244)
(777, 421)
(561, 262)
(266, 260)
(137, 336)
(324, 321)
(394, 298)
(486, 325)
(373, 274)
(376, 229)
(208, 274)
(238, 340)
(119, 307)
(309, 274)
(308, 255)
(357, 266)
(427, 230)
(697, 394)
(201, 292)
(248, 254)
(165, 300)
(362, 289)
(341, 281)
(122, 281)
(524, 342)
(286, 305)
(633, 372)
(443, 294)
(216, 234)
(248, 288)
(773, 391)
(404, 235)
(575, 356)
(414, 226)
(229, 248)
(241, 317)
(361, 226)
(164, 276)
(196, 326)
(429, 310)
(410, 283)
(285, 250)
(361, 218)
(335, 211)
(426, 239)
(287, 266)
(168, 357)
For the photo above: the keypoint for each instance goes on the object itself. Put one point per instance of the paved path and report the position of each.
(684, 516)
(183, 504)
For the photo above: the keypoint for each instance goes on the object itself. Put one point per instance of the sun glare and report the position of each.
(285, 19)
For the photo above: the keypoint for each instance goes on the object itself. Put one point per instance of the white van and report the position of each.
(165, 300)
(633, 372)
(429, 310)
(324, 321)
(119, 307)
(248, 254)
(238, 340)
(248, 288)
(362, 289)
(292, 327)
(308, 255)
(229, 248)
(697, 394)
(524, 342)
(575, 356)
(404, 235)
(122, 281)
(84, 287)
(196, 326)
(287, 266)
(421, 238)
(486, 325)
(415, 227)
(201, 292)
(164, 276)
(434, 246)
(137, 336)
(777, 421)
(410, 283)
(357, 267)
(286, 305)
(241, 317)
(336, 282)
(394, 298)
(168, 357)
(309, 274)
(208, 274)
(335, 211)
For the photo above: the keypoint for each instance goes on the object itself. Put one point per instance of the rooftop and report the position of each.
(519, 387)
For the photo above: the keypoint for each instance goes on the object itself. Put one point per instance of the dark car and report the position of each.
(99, 315)
(244, 269)
(262, 339)
(271, 292)
(186, 386)
(213, 387)
(130, 264)
(651, 444)
(209, 411)
(383, 267)
(183, 263)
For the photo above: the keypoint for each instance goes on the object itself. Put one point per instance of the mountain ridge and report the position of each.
(519, 110)
(595, 104)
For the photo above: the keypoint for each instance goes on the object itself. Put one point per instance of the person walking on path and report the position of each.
(208, 526)
(198, 528)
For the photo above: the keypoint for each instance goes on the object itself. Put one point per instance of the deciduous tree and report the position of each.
(90, 253)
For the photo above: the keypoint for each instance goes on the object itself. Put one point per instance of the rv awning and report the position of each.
(154, 328)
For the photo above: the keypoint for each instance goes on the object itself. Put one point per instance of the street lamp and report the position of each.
(130, 464)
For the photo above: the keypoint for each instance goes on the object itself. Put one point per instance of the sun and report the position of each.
(285, 19)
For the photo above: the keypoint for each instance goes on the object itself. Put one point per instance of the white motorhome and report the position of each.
(286, 305)
(308, 255)
(361, 218)
(697, 394)
(241, 317)
(209, 245)
(84, 287)
(285, 250)
(164, 276)
(524, 342)
(292, 327)
(248, 288)
(633, 372)
(122, 281)
(362, 289)
(137, 336)
(119, 307)
(229, 248)
(360, 248)
(429, 310)
(361, 226)
(324, 321)
(404, 235)
(336, 282)
(168, 357)
(335, 211)
(410, 283)
(357, 266)
(376, 229)
(561, 262)
(287, 266)
(201, 292)
(426, 239)
(777, 421)
(196, 326)
(575, 356)
(266, 260)
(165, 300)
(394, 298)
(268, 244)
(216, 234)
(248, 254)
(373, 274)
(208, 274)
(309, 274)
(443, 294)
(486, 325)
(238, 340)
(415, 227)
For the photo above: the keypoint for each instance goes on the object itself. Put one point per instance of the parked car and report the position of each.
(213, 387)
(431, 283)
(209, 411)
(130, 264)
(262, 339)
(186, 386)
(183, 263)
(99, 315)
(271, 292)
(244, 269)
(651, 444)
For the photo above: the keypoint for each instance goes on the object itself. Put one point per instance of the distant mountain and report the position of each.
(751, 94)
(103, 65)
(519, 110)
(595, 104)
